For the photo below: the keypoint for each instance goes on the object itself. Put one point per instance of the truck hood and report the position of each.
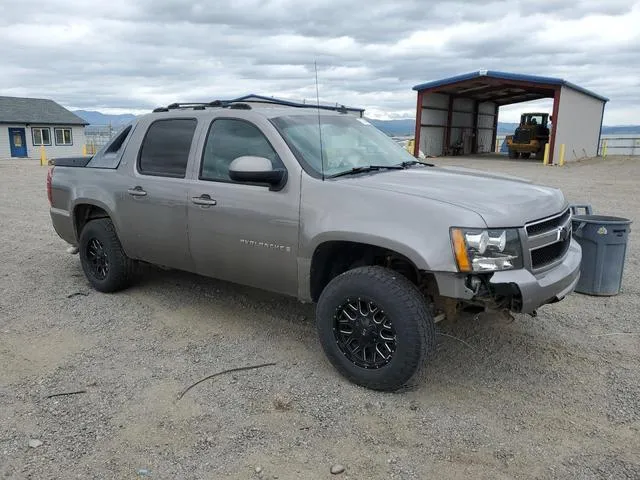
(501, 200)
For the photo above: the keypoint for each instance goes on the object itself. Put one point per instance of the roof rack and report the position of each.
(245, 105)
(286, 103)
(203, 105)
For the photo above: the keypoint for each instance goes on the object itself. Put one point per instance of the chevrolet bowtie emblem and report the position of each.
(562, 234)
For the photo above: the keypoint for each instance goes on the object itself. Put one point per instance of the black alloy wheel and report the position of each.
(364, 333)
(97, 259)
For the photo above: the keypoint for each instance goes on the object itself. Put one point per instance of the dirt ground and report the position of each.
(557, 396)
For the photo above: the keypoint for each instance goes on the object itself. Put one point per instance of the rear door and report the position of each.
(153, 204)
(243, 233)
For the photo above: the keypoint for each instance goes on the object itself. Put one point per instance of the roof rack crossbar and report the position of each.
(186, 105)
(340, 109)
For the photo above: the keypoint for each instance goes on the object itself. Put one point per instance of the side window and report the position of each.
(116, 143)
(165, 148)
(229, 139)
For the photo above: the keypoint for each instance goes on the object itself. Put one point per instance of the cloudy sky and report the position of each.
(133, 55)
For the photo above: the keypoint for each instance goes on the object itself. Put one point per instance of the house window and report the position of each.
(63, 136)
(41, 136)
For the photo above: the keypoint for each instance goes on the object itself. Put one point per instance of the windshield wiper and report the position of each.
(410, 163)
(367, 168)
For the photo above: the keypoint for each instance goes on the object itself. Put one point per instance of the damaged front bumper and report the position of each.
(517, 290)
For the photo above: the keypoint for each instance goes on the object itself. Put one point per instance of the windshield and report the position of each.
(347, 143)
(533, 119)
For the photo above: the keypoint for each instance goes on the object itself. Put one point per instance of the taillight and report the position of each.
(49, 178)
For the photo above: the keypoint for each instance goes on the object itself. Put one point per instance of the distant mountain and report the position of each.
(97, 118)
(406, 127)
(396, 128)
(506, 128)
(621, 129)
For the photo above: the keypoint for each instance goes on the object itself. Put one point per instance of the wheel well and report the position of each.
(330, 259)
(84, 213)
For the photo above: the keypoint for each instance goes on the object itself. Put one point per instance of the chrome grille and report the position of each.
(549, 239)
(541, 226)
(543, 256)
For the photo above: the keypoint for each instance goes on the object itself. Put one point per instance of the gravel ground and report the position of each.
(557, 396)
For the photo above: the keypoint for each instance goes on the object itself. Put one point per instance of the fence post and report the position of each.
(604, 149)
(562, 146)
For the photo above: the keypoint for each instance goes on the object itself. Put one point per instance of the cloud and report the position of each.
(137, 55)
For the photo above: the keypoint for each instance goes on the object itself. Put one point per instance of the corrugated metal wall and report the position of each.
(433, 123)
(579, 118)
(462, 123)
(486, 119)
(432, 136)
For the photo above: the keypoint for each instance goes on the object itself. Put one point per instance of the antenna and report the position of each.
(319, 123)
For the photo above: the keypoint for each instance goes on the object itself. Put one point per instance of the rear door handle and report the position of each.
(137, 192)
(204, 200)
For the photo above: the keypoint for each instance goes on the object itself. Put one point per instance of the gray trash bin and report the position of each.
(604, 246)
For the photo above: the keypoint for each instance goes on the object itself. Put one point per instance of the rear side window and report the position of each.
(165, 149)
(117, 142)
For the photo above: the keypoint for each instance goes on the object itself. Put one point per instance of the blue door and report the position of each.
(17, 142)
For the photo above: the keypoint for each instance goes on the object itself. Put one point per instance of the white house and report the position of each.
(27, 124)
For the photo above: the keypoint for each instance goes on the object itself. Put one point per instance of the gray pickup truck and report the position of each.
(322, 206)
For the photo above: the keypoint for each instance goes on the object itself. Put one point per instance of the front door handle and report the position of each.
(204, 200)
(137, 192)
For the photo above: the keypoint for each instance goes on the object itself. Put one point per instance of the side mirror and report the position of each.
(250, 169)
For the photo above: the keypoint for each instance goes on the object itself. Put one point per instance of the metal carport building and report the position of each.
(465, 108)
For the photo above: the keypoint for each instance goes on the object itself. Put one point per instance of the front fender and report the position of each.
(413, 226)
(376, 240)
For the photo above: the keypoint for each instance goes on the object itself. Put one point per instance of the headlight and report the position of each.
(486, 250)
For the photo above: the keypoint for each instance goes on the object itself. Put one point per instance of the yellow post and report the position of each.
(410, 146)
(604, 149)
(546, 154)
(562, 154)
(43, 156)
(84, 149)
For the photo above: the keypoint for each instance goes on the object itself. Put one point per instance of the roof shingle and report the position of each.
(36, 111)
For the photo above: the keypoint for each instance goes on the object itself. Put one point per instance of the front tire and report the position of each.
(103, 260)
(513, 154)
(526, 155)
(375, 327)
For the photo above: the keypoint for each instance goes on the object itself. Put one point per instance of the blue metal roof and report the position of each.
(508, 76)
(289, 103)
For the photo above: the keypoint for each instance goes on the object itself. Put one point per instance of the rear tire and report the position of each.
(513, 154)
(375, 328)
(525, 155)
(103, 260)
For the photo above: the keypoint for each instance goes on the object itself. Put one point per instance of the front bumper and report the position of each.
(524, 148)
(547, 287)
(533, 290)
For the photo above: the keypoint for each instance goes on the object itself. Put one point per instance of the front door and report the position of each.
(152, 206)
(17, 142)
(238, 232)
